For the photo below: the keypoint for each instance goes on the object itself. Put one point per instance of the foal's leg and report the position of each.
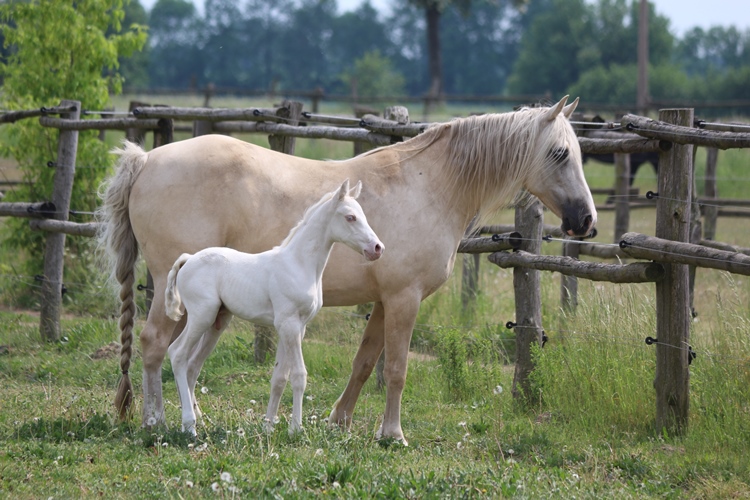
(278, 383)
(202, 350)
(291, 334)
(364, 361)
(179, 354)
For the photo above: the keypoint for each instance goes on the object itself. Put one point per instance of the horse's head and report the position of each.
(349, 224)
(560, 183)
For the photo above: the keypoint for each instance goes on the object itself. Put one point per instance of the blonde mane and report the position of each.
(306, 217)
(489, 158)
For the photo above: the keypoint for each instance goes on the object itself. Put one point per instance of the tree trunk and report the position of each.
(432, 13)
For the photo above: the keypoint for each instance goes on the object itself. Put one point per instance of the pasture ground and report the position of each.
(588, 433)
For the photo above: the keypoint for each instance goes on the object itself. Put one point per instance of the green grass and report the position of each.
(589, 433)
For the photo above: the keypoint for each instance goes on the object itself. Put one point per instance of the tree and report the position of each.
(59, 50)
(374, 76)
(176, 36)
(567, 38)
(433, 10)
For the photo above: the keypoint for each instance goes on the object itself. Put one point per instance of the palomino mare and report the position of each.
(282, 287)
(420, 196)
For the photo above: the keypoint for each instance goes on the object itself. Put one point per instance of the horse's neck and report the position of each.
(429, 167)
(311, 244)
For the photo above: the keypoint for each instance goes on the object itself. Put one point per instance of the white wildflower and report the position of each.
(336, 484)
(273, 455)
(226, 477)
(241, 432)
(498, 389)
(459, 445)
(189, 484)
(215, 487)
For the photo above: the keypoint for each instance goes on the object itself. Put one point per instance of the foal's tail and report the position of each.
(172, 300)
(117, 237)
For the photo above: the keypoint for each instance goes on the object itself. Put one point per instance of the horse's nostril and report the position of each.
(588, 221)
(378, 248)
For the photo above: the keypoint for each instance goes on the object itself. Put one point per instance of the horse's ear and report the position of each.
(570, 108)
(356, 190)
(344, 190)
(556, 109)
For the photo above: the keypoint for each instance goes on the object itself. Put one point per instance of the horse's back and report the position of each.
(213, 191)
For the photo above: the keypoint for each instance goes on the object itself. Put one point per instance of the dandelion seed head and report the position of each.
(498, 389)
(204, 390)
(215, 486)
(151, 421)
(189, 484)
(226, 477)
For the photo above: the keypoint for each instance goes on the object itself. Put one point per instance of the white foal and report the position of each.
(281, 287)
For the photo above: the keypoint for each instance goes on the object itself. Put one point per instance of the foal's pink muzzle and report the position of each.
(374, 251)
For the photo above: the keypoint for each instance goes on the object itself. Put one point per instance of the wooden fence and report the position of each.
(672, 136)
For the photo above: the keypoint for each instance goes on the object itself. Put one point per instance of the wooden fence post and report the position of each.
(569, 283)
(54, 249)
(622, 191)
(470, 273)
(292, 112)
(673, 318)
(711, 211)
(527, 289)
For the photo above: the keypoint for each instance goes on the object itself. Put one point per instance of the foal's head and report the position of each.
(349, 224)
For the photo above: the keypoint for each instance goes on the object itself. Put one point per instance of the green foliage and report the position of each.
(617, 84)
(451, 350)
(374, 76)
(59, 50)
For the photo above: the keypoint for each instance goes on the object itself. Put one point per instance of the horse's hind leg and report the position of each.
(364, 361)
(180, 355)
(201, 352)
(155, 339)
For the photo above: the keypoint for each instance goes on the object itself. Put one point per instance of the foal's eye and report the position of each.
(559, 155)
(351, 218)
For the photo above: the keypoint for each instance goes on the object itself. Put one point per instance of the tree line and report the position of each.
(488, 47)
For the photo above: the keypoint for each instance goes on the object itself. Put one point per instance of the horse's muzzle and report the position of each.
(578, 221)
(374, 252)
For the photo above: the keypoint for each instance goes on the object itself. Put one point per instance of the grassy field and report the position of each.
(588, 434)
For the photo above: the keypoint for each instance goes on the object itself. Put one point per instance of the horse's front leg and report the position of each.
(400, 315)
(298, 376)
(278, 383)
(362, 366)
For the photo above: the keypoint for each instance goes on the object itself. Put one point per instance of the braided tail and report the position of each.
(119, 240)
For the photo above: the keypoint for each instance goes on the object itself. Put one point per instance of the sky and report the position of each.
(683, 14)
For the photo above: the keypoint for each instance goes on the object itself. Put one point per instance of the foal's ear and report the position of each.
(356, 190)
(344, 190)
(568, 110)
(556, 109)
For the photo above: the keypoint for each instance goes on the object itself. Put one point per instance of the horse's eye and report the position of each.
(559, 155)
(351, 218)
